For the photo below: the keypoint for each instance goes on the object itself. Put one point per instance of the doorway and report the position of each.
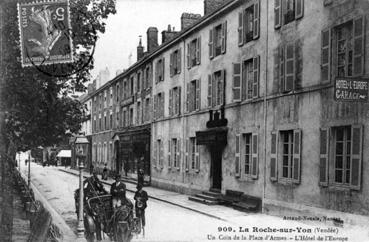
(216, 163)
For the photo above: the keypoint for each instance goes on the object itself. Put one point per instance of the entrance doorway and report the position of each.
(117, 163)
(216, 164)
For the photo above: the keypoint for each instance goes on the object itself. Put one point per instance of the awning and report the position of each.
(212, 136)
(65, 154)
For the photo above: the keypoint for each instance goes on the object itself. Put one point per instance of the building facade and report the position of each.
(242, 99)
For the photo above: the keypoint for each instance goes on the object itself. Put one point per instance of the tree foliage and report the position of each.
(40, 109)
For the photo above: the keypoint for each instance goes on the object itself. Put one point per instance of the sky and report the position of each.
(132, 19)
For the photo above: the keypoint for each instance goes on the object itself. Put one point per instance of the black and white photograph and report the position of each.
(184, 120)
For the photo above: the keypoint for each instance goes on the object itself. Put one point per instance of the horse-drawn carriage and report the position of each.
(99, 216)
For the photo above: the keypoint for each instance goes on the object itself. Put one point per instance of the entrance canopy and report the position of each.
(212, 136)
(65, 154)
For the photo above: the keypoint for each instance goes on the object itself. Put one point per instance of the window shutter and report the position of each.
(290, 67)
(281, 69)
(162, 104)
(171, 66)
(296, 163)
(179, 60)
(197, 106)
(359, 48)
(150, 77)
(299, 9)
(276, 68)
(179, 100)
(170, 102)
(325, 65)
(179, 148)
(198, 51)
(197, 157)
(211, 44)
(155, 105)
(169, 153)
(298, 65)
(356, 156)
(156, 72)
(238, 156)
(277, 14)
(214, 90)
(240, 28)
(236, 82)
(224, 37)
(162, 68)
(274, 157)
(161, 156)
(324, 155)
(210, 90)
(188, 56)
(188, 97)
(255, 158)
(256, 64)
(222, 91)
(186, 155)
(256, 26)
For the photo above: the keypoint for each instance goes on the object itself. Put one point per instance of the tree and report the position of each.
(39, 109)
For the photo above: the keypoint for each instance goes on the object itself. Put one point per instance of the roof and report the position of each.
(64, 153)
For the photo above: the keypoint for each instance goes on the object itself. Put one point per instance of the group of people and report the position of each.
(118, 193)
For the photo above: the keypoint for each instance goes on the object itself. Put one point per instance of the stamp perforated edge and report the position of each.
(48, 62)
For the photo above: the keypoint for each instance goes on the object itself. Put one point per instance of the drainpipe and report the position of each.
(265, 107)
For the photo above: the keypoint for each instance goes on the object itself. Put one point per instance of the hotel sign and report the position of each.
(351, 89)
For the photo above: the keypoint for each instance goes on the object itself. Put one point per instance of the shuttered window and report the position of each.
(240, 28)
(256, 20)
(224, 37)
(210, 91)
(187, 157)
(323, 158)
(249, 23)
(194, 52)
(211, 43)
(169, 151)
(326, 55)
(175, 62)
(255, 157)
(193, 95)
(359, 46)
(237, 157)
(286, 11)
(255, 88)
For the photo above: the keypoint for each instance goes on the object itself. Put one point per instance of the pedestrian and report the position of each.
(141, 198)
(105, 173)
(140, 172)
(117, 191)
(91, 169)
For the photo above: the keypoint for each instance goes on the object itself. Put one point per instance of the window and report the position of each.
(124, 120)
(132, 86)
(174, 153)
(125, 90)
(175, 62)
(105, 100)
(286, 11)
(130, 116)
(100, 125)
(285, 156)
(216, 94)
(138, 116)
(192, 154)
(138, 81)
(117, 117)
(95, 104)
(111, 119)
(246, 153)
(105, 122)
(288, 66)
(117, 92)
(111, 152)
(174, 101)
(193, 95)
(217, 40)
(94, 125)
(246, 84)
(105, 153)
(159, 152)
(249, 23)
(159, 105)
(147, 77)
(344, 166)
(100, 100)
(342, 50)
(147, 110)
(193, 52)
(111, 96)
(159, 70)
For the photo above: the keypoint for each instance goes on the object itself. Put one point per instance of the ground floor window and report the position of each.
(247, 162)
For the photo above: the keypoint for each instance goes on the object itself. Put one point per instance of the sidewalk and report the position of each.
(181, 200)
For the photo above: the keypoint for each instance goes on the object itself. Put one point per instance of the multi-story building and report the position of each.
(243, 100)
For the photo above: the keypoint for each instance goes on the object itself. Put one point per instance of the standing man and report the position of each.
(140, 171)
(117, 191)
(141, 198)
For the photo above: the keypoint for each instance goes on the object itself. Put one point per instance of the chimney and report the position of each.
(140, 50)
(167, 35)
(189, 19)
(212, 5)
(152, 39)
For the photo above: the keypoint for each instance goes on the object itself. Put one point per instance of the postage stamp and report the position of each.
(45, 32)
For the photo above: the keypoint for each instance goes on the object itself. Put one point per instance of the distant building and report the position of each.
(102, 77)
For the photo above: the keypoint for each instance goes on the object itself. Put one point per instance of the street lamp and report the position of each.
(81, 148)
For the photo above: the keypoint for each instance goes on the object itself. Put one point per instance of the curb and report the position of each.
(159, 199)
